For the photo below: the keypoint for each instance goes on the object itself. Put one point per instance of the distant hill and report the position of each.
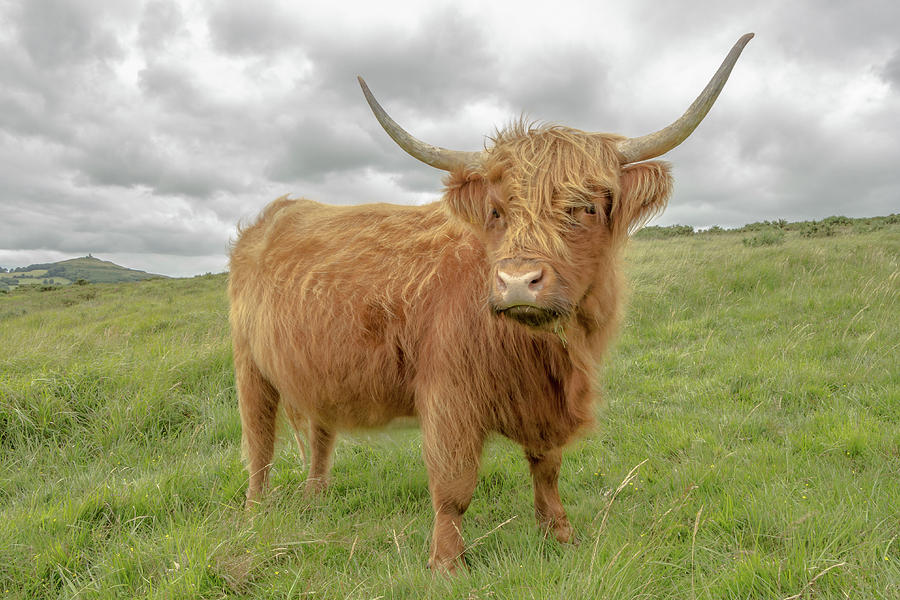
(65, 272)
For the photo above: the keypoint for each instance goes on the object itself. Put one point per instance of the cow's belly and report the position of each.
(340, 382)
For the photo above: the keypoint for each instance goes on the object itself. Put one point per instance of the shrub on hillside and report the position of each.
(780, 224)
(817, 229)
(837, 221)
(655, 232)
(768, 237)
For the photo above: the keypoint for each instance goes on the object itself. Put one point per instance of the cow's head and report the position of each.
(553, 204)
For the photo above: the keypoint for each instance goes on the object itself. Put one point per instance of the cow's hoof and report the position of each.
(446, 566)
(315, 486)
(564, 533)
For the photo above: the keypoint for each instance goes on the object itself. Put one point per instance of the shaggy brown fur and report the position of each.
(354, 315)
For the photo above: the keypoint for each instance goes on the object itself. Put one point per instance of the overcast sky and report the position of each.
(143, 131)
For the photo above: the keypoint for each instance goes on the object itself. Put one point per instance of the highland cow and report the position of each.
(487, 311)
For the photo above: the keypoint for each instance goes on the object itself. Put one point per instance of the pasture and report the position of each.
(33, 277)
(748, 446)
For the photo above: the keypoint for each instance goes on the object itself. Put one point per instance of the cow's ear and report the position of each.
(465, 196)
(644, 190)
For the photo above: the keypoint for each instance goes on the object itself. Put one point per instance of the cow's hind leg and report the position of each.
(548, 508)
(321, 447)
(258, 401)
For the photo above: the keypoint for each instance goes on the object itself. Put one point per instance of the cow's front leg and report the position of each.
(452, 457)
(551, 516)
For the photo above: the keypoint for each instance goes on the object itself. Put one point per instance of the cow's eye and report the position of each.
(495, 214)
(576, 210)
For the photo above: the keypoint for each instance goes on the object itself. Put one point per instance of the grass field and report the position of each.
(748, 447)
(29, 279)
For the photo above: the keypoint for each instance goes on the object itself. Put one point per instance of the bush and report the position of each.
(818, 229)
(837, 221)
(780, 224)
(770, 237)
(656, 232)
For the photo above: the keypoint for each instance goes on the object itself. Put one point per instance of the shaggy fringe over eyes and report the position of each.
(545, 170)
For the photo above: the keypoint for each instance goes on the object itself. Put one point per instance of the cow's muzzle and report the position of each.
(520, 291)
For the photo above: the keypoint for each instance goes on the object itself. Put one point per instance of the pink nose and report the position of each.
(519, 282)
(528, 281)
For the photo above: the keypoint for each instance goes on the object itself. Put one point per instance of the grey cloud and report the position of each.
(161, 22)
(30, 101)
(779, 165)
(113, 224)
(807, 31)
(141, 162)
(174, 87)
(175, 240)
(421, 178)
(891, 70)
(336, 131)
(570, 82)
(247, 28)
(57, 33)
(428, 75)
(431, 72)
(679, 23)
(834, 34)
(21, 112)
(57, 62)
(314, 148)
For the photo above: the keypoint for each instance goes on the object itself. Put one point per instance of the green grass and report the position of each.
(748, 447)
(29, 279)
(32, 273)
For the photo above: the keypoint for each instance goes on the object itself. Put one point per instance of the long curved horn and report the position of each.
(660, 142)
(437, 157)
